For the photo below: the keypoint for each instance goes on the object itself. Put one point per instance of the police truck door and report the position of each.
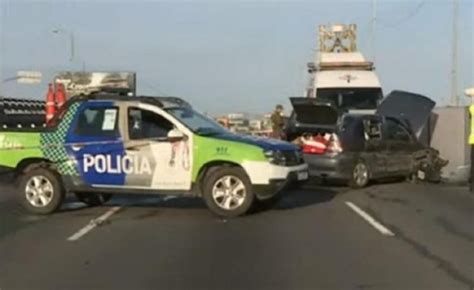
(161, 162)
(95, 142)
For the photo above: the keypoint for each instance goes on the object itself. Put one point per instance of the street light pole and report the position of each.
(72, 47)
(374, 21)
(454, 69)
(71, 57)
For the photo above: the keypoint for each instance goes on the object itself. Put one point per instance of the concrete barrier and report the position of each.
(448, 131)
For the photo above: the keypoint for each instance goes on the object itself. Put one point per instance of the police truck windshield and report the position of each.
(351, 98)
(197, 122)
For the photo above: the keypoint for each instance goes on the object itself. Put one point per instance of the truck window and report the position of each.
(98, 121)
(143, 124)
(351, 98)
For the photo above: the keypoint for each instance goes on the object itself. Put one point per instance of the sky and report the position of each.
(231, 56)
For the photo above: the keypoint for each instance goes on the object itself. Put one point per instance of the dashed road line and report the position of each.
(373, 222)
(93, 224)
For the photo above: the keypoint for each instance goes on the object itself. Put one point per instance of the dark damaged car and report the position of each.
(360, 147)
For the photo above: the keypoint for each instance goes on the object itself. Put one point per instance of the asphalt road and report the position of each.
(313, 239)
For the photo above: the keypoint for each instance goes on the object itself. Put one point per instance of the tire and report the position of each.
(41, 190)
(93, 199)
(221, 199)
(360, 176)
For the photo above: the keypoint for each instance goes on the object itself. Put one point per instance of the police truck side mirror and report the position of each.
(175, 135)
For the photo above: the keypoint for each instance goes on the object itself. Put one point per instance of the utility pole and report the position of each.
(3, 21)
(454, 68)
(71, 57)
(374, 21)
(72, 45)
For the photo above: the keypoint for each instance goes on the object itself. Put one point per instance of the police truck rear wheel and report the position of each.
(41, 191)
(93, 199)
(227, 192)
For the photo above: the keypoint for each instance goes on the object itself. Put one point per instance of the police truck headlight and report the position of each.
(275, 157)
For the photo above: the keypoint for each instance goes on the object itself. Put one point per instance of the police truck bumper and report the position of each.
(268, 179)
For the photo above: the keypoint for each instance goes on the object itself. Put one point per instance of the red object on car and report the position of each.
(315, 144)
(321, 144)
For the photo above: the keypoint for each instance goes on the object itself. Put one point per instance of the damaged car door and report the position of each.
(375, 146)
(401, 145)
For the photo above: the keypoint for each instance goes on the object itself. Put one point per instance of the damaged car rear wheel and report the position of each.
(360, 175)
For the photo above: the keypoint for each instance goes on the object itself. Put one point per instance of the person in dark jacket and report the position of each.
(277, 122)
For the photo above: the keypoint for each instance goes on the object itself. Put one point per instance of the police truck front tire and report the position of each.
(227, 191)
(41, 191)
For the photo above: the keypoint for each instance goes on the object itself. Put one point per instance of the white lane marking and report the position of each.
(93, 224)
(373, 222)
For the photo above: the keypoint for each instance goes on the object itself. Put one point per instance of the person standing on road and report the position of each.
(277, 122)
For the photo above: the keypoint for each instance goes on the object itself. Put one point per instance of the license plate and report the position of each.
(302, 175)
(421, 175)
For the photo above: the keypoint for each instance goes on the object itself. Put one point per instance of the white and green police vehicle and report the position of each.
(105, 144)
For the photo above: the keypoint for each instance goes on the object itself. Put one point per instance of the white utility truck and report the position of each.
(340, 74)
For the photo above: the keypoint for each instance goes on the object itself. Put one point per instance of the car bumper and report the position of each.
(334, 167)
(269, 181)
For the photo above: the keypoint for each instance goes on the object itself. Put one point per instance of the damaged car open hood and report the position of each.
(414, 108)
(310, 111)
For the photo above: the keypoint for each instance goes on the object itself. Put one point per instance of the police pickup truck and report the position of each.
(103, 144)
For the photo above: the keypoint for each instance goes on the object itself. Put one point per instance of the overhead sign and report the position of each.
(29, 77)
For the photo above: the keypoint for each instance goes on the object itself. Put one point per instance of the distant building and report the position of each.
(238, 123)
(256, 124)
(224, 121)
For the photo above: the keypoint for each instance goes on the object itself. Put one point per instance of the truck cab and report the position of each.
(104, 144)
(346, 81)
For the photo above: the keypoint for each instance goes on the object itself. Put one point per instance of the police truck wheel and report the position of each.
(41, 191)
(93, 199)
(227, 192)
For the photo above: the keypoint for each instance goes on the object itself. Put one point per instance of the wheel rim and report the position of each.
(39, 191)
(361, 174)
(229, 192)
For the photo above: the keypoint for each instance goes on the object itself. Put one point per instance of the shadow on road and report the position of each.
(291, 199)
(306, 197)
